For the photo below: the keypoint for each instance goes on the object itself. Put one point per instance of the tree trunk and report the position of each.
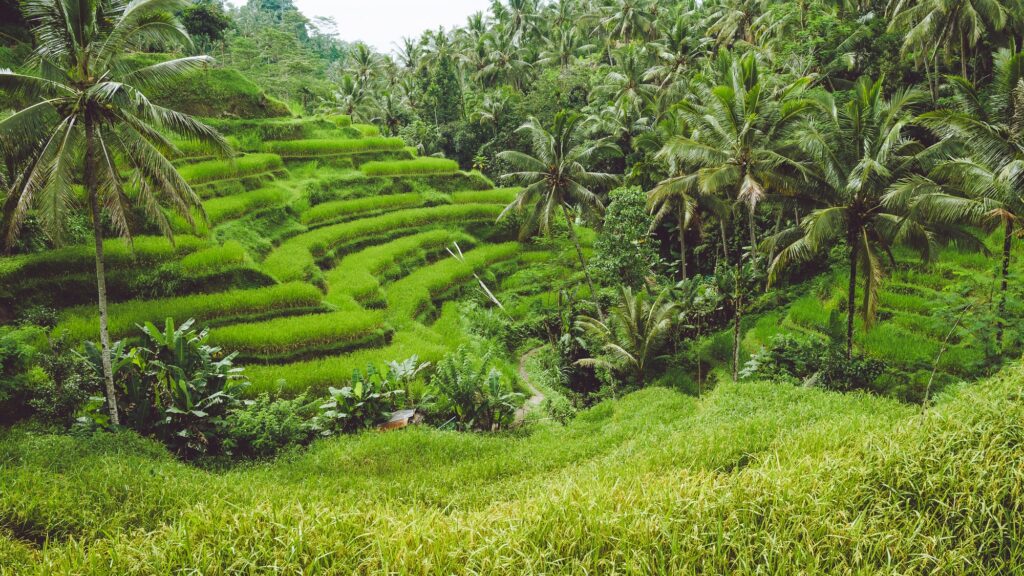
(963, 54)
(1007, 245)
(725, 241)
(736, 318)
(682, 242)
(851, 296)
(753, 230)
(101, 279)
(583, 261)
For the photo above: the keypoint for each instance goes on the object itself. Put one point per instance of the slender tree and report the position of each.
(557, 177)
(858, 150)
(90, 110)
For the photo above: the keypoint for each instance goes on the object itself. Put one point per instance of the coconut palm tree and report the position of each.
(736, 148)
(986, 187)
(90, 110)
(633, 335)
(557, 177)
(953, 25)
(858, 149)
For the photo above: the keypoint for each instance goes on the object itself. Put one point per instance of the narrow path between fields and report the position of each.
(536, 396)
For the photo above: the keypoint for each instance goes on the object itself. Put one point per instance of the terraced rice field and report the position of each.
(326, 266)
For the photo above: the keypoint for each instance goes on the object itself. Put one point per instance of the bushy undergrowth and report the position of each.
(755, 478)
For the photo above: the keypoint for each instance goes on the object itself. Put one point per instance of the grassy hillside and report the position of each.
(753, 478)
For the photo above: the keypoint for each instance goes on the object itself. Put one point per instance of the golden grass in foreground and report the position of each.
(754, 478)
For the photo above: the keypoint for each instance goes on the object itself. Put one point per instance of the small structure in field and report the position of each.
(401, 419)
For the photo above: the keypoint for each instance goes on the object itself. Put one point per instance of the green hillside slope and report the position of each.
(754, 478)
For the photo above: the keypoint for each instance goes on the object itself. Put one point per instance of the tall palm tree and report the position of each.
(557, 177)
(988, 186)
(858, 149)
(953, 25)
(628, 20)
(736, 147)
(90, 108)
(633, 335)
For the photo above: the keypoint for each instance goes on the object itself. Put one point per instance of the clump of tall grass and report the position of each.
(242, 166)
(356, 275)
(295, 257)
(409, 296)
(220, 210)
(502, 196)
(83, 323)
(753, 478)
(215, 259)
(282, 338)
(143, 251)
(329, 147)
(416, 167)
(358, 207)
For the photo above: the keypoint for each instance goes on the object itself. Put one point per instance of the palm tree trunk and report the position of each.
(583, 261)
(851, 297)
(753, 230)
(1007, 245)
(101, 279)
(682, 242)
(963, 54)
(737, 317)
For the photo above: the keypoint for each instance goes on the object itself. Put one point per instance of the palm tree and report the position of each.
(987, 187)
(634, 333)
(90, 108)
(628, 20)
(736, 146)
(858, 150)
(555, 177)
(955, 25)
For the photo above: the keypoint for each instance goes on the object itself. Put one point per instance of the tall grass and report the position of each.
(220, 210)
(314, 376)
(282, 338)
(502, 196)
(83, 323)
(415, 167)
(755, 478)
(213, 170)
(356, 275)
(409, 296)
(144, 251)
(359, 207)
(215, 259)
(329, 147)
(294, 259)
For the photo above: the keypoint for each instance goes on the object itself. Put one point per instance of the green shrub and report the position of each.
(365, 403)
(264, 426)
(473, 392)
(83, 323)
(330, 147)
(415, 167)
(247, 165)
(176, 388)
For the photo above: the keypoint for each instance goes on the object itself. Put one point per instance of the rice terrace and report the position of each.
(572, 287)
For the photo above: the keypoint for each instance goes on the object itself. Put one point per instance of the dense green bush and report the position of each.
(624, 251)
(365, 403)
(264, 426)
(175, 387)
(473, 393)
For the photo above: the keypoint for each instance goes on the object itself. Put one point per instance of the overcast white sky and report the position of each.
(381, 23)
